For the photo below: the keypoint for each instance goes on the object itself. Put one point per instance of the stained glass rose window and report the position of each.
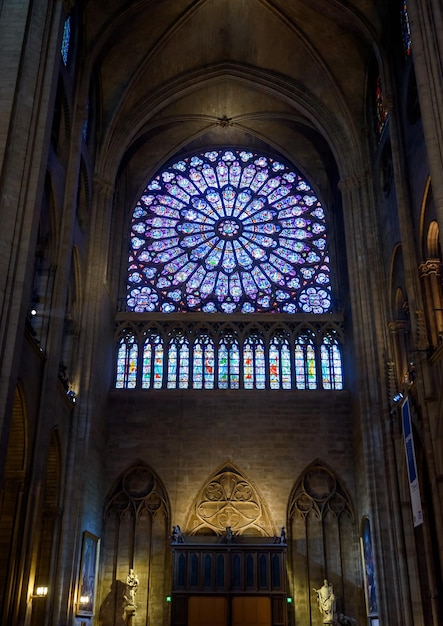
(228, 231)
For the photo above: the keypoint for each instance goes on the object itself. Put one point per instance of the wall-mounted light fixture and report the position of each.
(85, 599)
(40, 592)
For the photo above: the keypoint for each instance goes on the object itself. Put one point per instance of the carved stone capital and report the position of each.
(397, 327)
(431, 266)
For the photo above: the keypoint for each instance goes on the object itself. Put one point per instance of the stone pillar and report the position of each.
(28, 63)
(426, 20)
(430, 272)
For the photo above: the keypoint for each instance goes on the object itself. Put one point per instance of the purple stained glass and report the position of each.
(406, 29)
(228, 231)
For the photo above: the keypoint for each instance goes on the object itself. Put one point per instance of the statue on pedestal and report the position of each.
(129, 605)
(326, 602)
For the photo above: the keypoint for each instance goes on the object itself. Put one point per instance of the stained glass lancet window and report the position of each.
(254, 365)
(228, 231)
(127, 357)
(153, 354)
(279, 363)
(381, 112)
(203, 363)
(406, 29)
(228, 363)
(178, 363)
(305, 366)
(66, 39)
(331, 363)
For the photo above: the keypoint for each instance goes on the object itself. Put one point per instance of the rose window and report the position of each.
(228, 231)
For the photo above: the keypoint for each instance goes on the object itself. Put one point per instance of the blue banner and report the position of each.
(417, 511)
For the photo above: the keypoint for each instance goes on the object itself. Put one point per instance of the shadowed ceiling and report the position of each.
(179, 75)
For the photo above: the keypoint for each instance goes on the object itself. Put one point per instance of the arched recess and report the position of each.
(431, 267)
(136, 527)
(71, 325)
(48, 536)
(401, 370)
(11, 501)
(323, 543)
(228, 498)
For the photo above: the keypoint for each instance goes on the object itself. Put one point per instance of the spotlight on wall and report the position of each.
(40, 592)
(33, 312)
(71, 395)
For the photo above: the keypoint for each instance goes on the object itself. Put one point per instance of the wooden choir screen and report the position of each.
(223, 584)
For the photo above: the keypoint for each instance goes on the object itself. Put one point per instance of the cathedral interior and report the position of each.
(221, 330)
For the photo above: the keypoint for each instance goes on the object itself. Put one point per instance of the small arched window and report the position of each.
(127, 358)
(203, 363)
(254, 368)
(331, 363)
(178, 362)
(66, 39)
(305, 366)
(279, 363)
(153, 355)
(406, 28)
(228, 362)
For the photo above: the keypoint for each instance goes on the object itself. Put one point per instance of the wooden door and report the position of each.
(251, 611)
(207, 611)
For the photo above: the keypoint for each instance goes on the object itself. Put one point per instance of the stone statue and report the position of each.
(177, 535)
(283, 535)
(229, 534)
(129, 605)
(326, 602)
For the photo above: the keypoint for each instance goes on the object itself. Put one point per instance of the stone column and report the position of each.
(426, 20)
(28, 65)
(430, 272)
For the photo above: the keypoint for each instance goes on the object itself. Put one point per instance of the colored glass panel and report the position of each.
(274, 366)
(228, 231)
(406, 29)
(158, 366)
(127, 357)
(305, 367)
(381, 113)
(285, 366)
(152, 366)
(331, 364)
(178, 363)
(66, 39)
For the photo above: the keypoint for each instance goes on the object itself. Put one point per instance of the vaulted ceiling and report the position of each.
(178, 75)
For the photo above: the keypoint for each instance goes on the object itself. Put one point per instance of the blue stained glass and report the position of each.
(231, 230)
(152, 368)
(305, 367)
(331, 364)
(274, 366)
(66, 40)
(127, 357)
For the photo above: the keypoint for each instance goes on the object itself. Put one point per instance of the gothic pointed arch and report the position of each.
(324, 540)
(229, 498)
(11, 495)
(136, 527)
